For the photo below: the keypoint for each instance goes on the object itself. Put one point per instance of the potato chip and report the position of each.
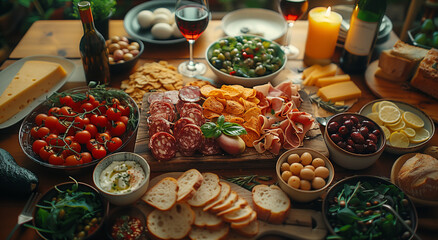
(248, 93)
(205, 90)
(247, 104)
(214, 105)
(210, 114)
(254, 124)
(230, 91)
(254, 100)
(237, 120)
(234, 107)
(252, 112)
(250, 137)
(218, 93)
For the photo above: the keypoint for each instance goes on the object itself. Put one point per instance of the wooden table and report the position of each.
(62, 37)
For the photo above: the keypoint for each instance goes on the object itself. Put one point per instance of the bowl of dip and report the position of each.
(122, 177)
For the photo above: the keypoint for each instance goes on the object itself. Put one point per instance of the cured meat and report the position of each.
(189, 138)
(210, 146)
(163, 146)
(155, 116)
(180, 124)
(190, 94)
(155, 96)
(194, 114)
(163, 107)
(188, 106)
(172, 96)
(159, 125)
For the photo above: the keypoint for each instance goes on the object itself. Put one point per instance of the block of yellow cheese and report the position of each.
(32, 80)
(325, 81)
(339, 92)
(325, 71)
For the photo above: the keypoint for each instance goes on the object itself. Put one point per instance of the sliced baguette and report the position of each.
(188, 183)
(226, 204)
(240, 203)
(250, 230)
(244, 222)
(207, 192)
(244, 212)
(162, 195)
(206, 219)
(198, 233)
(270, 203)
(225, 191)
(175, 223)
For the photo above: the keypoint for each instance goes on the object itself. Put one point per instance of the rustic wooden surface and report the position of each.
(34, 42)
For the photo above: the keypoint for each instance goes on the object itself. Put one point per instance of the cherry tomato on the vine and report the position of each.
(113, 144)
(91, 144)
(43, 132)
(51, 122)
(66, 100)
(73, 160)
(118, 129)
(56, 159)
(87, 107)
(86, 157)
(40, 118)
(37, 145)
(83, 136)
(92, 129)
(103, 137)
(80, 122)
(45, 153)
(53, 111)
(34, 132)
(113, 114)
(98, 152)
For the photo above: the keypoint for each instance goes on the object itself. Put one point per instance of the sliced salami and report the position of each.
(210, 146)
(194, 114)
(159, 125)
(155, 96)
(189, 138)
(155, 116)
(172, 96)
(163, 107)
(188, 106)
(187, 154)
(190, 94)
(163, 146)
(180, 124)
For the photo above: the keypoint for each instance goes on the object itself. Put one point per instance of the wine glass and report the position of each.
(192, 17)
(291, 11)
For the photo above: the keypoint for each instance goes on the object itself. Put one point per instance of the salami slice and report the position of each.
(194, 114)
(163, 146)
(189, 138)
(180, 124)
(188, 106)
(163, 107)
(153, 117)
(159, 125)
(190, 94)
(172, 96)
(210, 146)
(155, 96)
(187, 154)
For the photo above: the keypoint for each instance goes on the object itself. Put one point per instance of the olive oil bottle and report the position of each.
(94, 52)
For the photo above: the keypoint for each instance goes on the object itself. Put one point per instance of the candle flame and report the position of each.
(327, 13)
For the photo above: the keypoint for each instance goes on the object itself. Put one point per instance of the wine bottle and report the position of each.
(94, 53)
(361, 37)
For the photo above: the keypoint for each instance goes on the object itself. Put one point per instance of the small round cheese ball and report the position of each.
(161, 18)
(145, 18)
(305, 184)
(286, 175)
(306, 158)
(294, 182)
(175, 31)
(285, 167)
(161, 31)
(318, 183)
(163, 11)
(293, 158)
(317, 162)
(322, 172)
(307, 174)
(295, 168)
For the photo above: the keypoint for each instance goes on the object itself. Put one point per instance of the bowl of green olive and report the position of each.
(426, 35)
(245, 60)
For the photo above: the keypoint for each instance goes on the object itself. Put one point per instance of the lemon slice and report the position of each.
(375, 117)
(420, 136)
(375, 108)
(389, 114)
(401, 125)
(387, 132)
(410, 132)
(413, 120)
(390, 125)
(398, 139)
(386, 103)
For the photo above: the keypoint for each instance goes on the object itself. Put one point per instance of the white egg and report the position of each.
(161, 31)
(175, 31)
(172, 18)
(145, 18)
(163, 10)
(160, 18)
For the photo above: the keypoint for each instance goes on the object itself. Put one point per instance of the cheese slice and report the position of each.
(339, 92)
(325, 81)
(325, 71)
(32, 80)
(307, 71)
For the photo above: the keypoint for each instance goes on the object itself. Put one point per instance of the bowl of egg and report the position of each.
(124, 53)
(304, 174)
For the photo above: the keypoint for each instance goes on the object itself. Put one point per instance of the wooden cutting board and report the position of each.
(250, 158)
(303, 224)
(400, 91)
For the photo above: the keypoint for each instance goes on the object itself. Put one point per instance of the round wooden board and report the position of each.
(401, 92)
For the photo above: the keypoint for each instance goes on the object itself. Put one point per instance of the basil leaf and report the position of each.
(210, 129)
(220, 120)
(234, 130)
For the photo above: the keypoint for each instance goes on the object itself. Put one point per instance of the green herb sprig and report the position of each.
(248, 182)
(329, 106)
(215, 129)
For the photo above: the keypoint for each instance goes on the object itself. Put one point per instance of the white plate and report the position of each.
(260, 22)
(9, 73)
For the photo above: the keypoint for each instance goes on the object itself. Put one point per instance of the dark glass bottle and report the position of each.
(362, 35)
(94, 52)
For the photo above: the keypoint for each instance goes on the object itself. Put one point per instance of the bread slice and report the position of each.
(408, 51)
(188, 183)
(240, 203)
(244, 222)
(250, 230)
(225, 191)
(163, 195)
(396, 68)
(228, 202)
(206, 219)
(198, 233)
(175, 223)
(426, 76)
(207, 192)
(244, 212)
(270, 203)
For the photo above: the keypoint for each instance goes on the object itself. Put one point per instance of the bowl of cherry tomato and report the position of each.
(78, 127)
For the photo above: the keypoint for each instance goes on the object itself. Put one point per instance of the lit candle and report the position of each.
(322, 35)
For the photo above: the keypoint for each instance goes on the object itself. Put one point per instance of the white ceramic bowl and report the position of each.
(244, 81)
(300, 195)
(128, 197)
(413, 147)
(350, 160)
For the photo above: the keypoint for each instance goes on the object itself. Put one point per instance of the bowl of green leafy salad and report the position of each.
(359, 207)
(71, 210)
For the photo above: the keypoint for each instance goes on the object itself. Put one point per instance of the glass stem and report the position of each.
(288, 34)
(191, 66)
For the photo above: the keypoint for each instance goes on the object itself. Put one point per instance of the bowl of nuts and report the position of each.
(124, 53)
(353, 140)
(304, 174)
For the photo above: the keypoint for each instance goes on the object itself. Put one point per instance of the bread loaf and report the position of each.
(426, 76)
(270, 203)
(418, 177)
(162, 195)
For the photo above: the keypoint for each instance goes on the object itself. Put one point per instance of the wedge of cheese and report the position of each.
(325, 81)
(339, 91)
(319, 72)
(32, 80)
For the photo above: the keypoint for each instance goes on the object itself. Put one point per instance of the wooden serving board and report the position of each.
(400, 91)
(303, 224)
(250, 158)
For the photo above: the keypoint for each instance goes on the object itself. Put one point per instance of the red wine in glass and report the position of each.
(192, 21)
(293, 9)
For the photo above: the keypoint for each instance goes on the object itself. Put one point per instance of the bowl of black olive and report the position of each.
(245, 60)
(365, 207)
